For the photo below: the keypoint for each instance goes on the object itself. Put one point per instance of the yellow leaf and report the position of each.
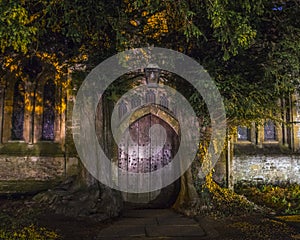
(134, 23)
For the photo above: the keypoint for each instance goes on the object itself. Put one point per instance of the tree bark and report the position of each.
(188, 196)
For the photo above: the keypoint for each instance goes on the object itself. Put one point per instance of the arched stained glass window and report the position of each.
(243, 133)
(18, 111)
(269, 131)
(135, 101)
(164, 101)
(122, 109)
(150, 97)
(49, 111)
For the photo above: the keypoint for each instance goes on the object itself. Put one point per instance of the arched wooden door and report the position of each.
(145, 154)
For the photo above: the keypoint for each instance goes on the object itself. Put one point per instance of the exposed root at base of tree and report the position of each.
(71, 199)
(215, 200)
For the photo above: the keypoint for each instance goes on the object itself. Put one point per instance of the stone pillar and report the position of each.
(284, 127)
(2, 97)
(29, 112)
(253, 133)
(38, 110)
(292, 119)
(67, 129)
(63, 101)
(7, 111)
(280, 133)
(260, 135)
(59, 109)
(296, 123)
(229, 164)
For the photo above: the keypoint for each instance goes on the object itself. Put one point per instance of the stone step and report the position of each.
(177, 220)
(149, 213)
(136, 221)
(122, 231)
(153, 224)
(186, 231)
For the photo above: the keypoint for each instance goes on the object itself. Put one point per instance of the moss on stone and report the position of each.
(26, 187)
(267, 149)
(291, 218)
(25, 149)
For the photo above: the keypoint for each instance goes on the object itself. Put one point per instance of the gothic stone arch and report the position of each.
(142, 157)
(34, 101)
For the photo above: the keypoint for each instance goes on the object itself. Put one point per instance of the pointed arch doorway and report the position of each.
(146, 154)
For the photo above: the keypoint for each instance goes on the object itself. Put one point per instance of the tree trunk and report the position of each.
(188, 196)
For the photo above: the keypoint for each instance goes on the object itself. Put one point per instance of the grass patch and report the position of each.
(223, 202)
(30, 232)
(282, 199)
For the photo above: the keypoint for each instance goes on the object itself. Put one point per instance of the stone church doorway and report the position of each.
(145, 154)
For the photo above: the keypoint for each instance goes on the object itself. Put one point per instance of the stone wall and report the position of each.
(275, 169)
(36, 168)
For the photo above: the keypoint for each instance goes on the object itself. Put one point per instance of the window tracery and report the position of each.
(18, 111)
(48, 111)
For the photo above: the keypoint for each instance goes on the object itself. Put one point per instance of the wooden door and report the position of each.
(145, 154)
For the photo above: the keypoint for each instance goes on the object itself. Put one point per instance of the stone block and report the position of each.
(174, 231)
(267, 169)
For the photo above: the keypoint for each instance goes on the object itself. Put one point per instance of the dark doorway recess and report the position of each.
(144, 154)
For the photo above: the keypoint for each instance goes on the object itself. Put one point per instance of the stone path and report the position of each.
(156, 224)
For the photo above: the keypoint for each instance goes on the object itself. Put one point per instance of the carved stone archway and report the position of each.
(142, 156)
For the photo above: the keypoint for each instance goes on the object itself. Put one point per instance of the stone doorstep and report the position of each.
(149, 213)
(162, 223)
(121, 231)
(174, 231)
(151, 231)
(153, 224)
(136, 221)
(178, 220)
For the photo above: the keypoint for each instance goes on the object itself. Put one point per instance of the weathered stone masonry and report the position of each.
(262, 169)
(29, 156)
(39, 147)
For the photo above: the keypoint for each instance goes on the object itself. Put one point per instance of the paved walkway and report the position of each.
(154, 224)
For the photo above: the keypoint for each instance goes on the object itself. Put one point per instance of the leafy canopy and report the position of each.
(250, 47)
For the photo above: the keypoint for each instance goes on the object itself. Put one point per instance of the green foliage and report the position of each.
(29, 233)
(249, 49)
(223, 201)
(281, 199)
(284, 64)
(16, 29)
(231, 23)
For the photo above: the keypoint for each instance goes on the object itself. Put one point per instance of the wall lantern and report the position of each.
(152, 74)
